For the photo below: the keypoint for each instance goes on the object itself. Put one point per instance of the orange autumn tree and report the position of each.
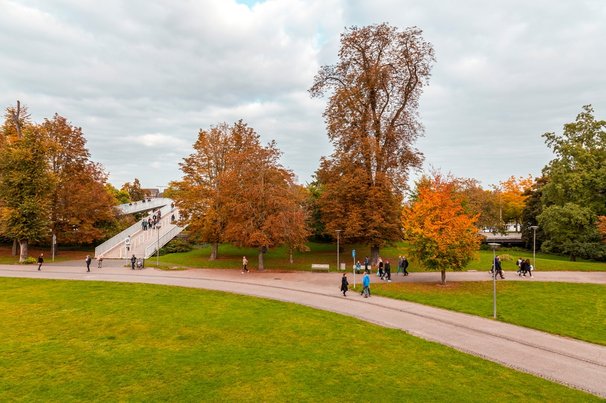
(441, 234)
(258, 195)
(197, 194)
(512, 198)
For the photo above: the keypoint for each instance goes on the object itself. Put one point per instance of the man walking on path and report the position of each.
(498, 271)
(404, 265)
(133, 260)
(387, 271)
(40, 261)
(88, 260)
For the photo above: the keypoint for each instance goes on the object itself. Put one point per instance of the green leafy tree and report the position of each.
(576, 179)
(571, 230)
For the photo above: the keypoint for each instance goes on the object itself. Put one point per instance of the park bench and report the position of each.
(320, 267)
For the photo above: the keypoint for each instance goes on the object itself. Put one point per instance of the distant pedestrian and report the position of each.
(366, 284)
(133, 261)
(344, 284)
(366, 263)
(244, 265)
(380, 271)
(387, 275)
(498, 270)
(40, 261)
(404, 265)
(358, 267)
(88, 260)
(100, 263)
(399, 269)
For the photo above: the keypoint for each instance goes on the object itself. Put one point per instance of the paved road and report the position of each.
(574, 363)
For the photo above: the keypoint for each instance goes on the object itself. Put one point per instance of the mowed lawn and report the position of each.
(75, 341)
(230, 257)
(574, 310)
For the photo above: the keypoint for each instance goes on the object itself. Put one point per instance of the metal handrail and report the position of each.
(133, 229)
(164, 239)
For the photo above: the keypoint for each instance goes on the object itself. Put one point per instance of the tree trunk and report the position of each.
(443, 275)
(290, 255)
(374, 254)
(261, 264)
(573, 258)
(23, 255)
(214, 251)
(14, 247)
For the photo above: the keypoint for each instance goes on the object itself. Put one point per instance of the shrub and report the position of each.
(29, 260)
(177, 245)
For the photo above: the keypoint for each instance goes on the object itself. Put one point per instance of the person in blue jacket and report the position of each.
(366, 284)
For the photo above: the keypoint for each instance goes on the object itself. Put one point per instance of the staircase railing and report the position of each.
(163, 240)
(132, 230)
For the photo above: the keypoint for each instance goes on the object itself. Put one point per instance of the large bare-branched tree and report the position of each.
(372, 121)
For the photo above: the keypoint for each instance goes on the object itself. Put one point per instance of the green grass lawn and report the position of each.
(75, 341)
(574, 310)
(278, 259)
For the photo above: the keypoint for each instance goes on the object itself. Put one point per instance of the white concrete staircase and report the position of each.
(142, 243)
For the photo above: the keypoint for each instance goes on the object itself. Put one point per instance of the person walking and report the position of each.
(133, 261)
(380, 272)
(100, 262)
(344, 284)
(366, 284)
(404, 265)
(387, 271)
(497, 267)
(40, 261)
(366, 263)
(244, 265)
(88, 260)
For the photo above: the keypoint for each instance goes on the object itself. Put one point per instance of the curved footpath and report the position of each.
(571, 362)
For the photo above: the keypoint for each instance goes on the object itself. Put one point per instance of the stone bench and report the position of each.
(320, 267)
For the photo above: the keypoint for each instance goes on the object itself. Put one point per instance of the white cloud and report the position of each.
(143, 77)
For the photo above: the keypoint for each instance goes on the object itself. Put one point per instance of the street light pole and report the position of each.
(534, 246)
(338, 249)
(494, 247)
(158, 246)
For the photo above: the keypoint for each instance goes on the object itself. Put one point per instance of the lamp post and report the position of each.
(534, 246)
(158, 226)
(494, 247)
(338, 250)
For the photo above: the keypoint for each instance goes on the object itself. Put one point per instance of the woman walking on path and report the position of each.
(244, 265)
(40, 261)
(344, 284)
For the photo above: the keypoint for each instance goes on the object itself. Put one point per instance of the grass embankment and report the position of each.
(74, 341)
(573, 310)
(230, 257)
(61, 255)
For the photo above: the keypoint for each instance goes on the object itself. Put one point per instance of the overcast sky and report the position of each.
(142, 77)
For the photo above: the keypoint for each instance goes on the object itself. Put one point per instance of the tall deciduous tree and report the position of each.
(197, 194)
(576, 187)
(258, 195)
(25, 182)
(372, 121)
(441, 234)
(81, 208)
